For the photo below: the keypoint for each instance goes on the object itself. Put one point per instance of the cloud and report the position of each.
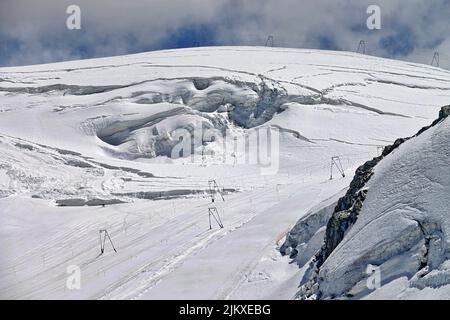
(33, 31)
(109, 27)
(411, 29)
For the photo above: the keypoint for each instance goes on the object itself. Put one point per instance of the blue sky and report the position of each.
(34, 31)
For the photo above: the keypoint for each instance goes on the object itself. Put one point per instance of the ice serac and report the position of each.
(216, 104)
(394, 216)
(87, 145)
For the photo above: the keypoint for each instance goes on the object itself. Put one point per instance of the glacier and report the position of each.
(393, 218)
(87, 145)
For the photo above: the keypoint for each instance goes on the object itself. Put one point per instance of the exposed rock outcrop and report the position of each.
(349, 206)
(348, 209)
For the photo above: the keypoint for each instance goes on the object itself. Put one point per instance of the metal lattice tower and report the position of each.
(336, 161)
(203, 152)
(213, 188)
(103, 235)
(361, 47)
(435, 61)
(269, 41)
(212, 212)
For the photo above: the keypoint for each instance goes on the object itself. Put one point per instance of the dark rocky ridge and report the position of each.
(349, 206)
(346, 214)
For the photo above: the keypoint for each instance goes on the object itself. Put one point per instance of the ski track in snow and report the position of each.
(74, 131)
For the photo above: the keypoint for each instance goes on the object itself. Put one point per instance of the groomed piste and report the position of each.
(88, 146)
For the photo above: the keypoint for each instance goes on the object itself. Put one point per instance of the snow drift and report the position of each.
(77, 135)
(395, 217)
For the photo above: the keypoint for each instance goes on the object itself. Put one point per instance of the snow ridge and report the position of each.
(345, 216)
(79, 134)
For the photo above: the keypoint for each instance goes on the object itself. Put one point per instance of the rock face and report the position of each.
(346, 214)
(349, 206)
(301, 237)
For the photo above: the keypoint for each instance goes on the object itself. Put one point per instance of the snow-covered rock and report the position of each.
(394, 217)
(79, 134)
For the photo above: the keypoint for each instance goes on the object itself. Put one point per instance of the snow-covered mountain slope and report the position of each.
(103, 131)
(393, 219)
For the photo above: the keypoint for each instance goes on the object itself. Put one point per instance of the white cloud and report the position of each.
(112, 27)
